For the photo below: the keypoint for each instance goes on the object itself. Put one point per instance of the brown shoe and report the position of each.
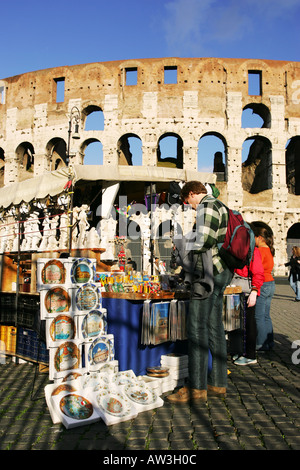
(216, 391)
(186, 394)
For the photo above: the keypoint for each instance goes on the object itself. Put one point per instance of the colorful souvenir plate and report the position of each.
(140, 394)
(67, 356)
(54, 272)
(114, 403)
(93, 324)
(57, 300)
(100, 351)
(63, 388)
(88, 297)
(62, 327)
(71, 376)
(76, 407)
(82, 271)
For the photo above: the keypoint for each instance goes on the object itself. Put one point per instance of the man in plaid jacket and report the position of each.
(205, 328)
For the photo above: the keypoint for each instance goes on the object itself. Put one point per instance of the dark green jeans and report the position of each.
(205, 332)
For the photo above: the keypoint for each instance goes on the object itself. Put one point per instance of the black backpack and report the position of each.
(173, 196)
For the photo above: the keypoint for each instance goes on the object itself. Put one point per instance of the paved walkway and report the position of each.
(261, 410)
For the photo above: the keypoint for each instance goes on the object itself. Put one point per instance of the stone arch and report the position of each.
(170, 150)
(261, 118)
(92, 152)
(129, 148)
(210, 71)
(94, 118)
(293, 237)
(56, 151)
(131, 65)
(292, 165)
(212, 154)
(25, 160)
(257, 164)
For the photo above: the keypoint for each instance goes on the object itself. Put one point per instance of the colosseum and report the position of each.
(250, 108)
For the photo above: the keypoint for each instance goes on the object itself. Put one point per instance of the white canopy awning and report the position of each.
(53, 183)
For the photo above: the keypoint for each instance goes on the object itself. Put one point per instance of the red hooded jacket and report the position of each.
(256, 271)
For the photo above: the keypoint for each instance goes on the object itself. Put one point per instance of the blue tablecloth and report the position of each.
(124, 320)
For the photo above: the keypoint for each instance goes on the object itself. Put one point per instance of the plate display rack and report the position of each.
(87, 384)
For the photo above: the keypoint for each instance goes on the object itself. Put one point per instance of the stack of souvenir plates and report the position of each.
(115, 397)
(70, 303)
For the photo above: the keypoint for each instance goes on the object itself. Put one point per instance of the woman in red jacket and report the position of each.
(255, 274)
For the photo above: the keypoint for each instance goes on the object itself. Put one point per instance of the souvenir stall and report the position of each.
(35, 224)
(77, 299)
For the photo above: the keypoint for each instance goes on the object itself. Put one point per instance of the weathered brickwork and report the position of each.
(207, 97)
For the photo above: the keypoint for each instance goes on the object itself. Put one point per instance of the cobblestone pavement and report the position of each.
(261, 410)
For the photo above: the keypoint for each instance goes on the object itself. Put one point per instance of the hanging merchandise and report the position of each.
(159, 322)
(163, 321)
(232, 311)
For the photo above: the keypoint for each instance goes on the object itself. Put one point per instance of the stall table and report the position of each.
(124, 320)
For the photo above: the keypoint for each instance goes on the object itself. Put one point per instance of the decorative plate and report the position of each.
(95, 381)
(93, 324)
(54, 272)
(100, 351)
(124, 378)
(140, 394)
(57, 300)
(63, 388)
(88, 297)
(71, 376)
(76, 407)
(62, 327)
(67, 357)
(114, 403)
(83, 271)
(158, 369)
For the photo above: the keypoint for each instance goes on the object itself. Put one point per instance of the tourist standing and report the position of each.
(250, 278)
(265, 243)
(294, 276)
(205, 330)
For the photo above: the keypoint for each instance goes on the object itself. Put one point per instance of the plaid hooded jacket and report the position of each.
(211, 226)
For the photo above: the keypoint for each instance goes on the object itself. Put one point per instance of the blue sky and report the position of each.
(36, 35)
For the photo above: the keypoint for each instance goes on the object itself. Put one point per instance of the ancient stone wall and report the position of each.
(153, 98)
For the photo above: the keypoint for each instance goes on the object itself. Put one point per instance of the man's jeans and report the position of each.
(264, 326)
(205, 332)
